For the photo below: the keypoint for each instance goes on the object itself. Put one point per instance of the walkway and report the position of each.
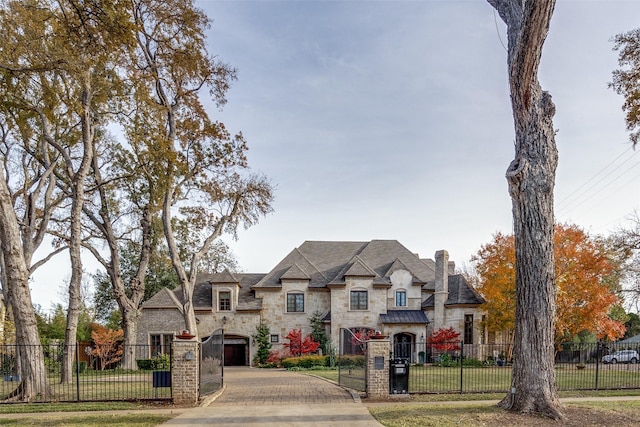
(268, 397)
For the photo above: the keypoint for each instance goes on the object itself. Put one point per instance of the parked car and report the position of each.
(622, 356)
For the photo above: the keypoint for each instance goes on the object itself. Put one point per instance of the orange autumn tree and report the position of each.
(107, 346)
(585, 270)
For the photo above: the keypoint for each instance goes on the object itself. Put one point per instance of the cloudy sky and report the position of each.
(392, 120)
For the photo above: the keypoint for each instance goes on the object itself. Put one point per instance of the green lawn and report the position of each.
(435, 379)
(99, 385)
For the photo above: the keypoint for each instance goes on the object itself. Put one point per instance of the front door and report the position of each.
(403, 346)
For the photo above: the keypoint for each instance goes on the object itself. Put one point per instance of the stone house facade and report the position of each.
(378, 285)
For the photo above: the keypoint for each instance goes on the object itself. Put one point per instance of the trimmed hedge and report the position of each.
(305, 361)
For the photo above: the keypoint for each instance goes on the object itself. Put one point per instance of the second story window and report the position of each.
(401, 298)
(359, 300)
(224, 301)
(295, 303)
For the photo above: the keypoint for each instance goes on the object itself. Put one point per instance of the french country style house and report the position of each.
(378, 285)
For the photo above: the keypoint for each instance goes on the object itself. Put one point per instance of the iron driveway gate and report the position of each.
(212, 363)
(351, 361)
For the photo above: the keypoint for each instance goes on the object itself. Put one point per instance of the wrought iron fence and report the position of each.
(456, 367)
(212, 363)
(351, 360)
(96, 374)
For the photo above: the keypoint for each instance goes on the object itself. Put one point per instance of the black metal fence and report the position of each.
(351, 360)
(212, 363)
(456, 367)
(96, 374)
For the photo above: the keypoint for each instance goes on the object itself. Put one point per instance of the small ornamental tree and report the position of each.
(444, 339)
(263, 341)
(298, 346)
(108, 346)
(318, 331)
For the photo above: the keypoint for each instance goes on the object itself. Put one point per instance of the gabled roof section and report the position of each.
(165, 298)
(226, 277)
(460, 293)
(399, 265)
(359, 269)
(295, 273)
(404, 317)
(319, 260)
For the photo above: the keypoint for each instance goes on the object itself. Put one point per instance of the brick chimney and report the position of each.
(442, 288)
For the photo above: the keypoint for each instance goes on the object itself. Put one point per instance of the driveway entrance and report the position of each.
(275, 397)
(254, 386)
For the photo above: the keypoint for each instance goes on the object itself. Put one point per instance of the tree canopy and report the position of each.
(587, 277)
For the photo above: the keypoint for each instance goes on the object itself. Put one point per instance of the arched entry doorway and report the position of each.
(236, 350)
(403, 344)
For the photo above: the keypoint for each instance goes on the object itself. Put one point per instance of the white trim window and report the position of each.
(224, 300)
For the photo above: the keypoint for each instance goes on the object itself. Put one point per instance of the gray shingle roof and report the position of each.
(329, 262)
(404, 316)
(460, 293)
(202, 293)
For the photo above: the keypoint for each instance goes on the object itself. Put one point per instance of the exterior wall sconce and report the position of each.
(224, 320)
(189, 355)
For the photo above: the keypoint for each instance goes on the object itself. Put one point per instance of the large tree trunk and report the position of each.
(531, 178)
(78, 181)
(16, 283)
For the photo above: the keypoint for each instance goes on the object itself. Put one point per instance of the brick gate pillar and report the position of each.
(378, 369)
(185, 371)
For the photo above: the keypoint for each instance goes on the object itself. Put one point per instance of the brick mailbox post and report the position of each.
(185, 371)
(378, 368)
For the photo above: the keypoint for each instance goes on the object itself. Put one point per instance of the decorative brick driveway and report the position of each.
(256, 387)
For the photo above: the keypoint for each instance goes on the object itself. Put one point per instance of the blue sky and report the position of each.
(392, 120)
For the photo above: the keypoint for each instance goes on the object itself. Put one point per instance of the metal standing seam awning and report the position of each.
(404, 317)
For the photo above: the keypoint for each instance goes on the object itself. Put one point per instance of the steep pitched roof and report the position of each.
(295, 257)
(460, 293)
(202, 292)
(399, 265)
(329, 262)
(164, 298)
(296, 273)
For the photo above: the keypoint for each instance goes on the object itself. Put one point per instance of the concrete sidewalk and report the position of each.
(267, 397)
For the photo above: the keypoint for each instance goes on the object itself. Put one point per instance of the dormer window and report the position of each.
(224, 301)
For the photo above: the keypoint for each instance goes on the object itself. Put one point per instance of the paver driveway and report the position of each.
(250, 386)
(268, 397)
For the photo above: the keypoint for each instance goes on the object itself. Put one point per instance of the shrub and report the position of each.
(304, 362)
(472, 362)
(351, 361)
(161, 362)
(81, 366)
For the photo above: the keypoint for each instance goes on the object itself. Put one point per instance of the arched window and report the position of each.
(401, 298)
